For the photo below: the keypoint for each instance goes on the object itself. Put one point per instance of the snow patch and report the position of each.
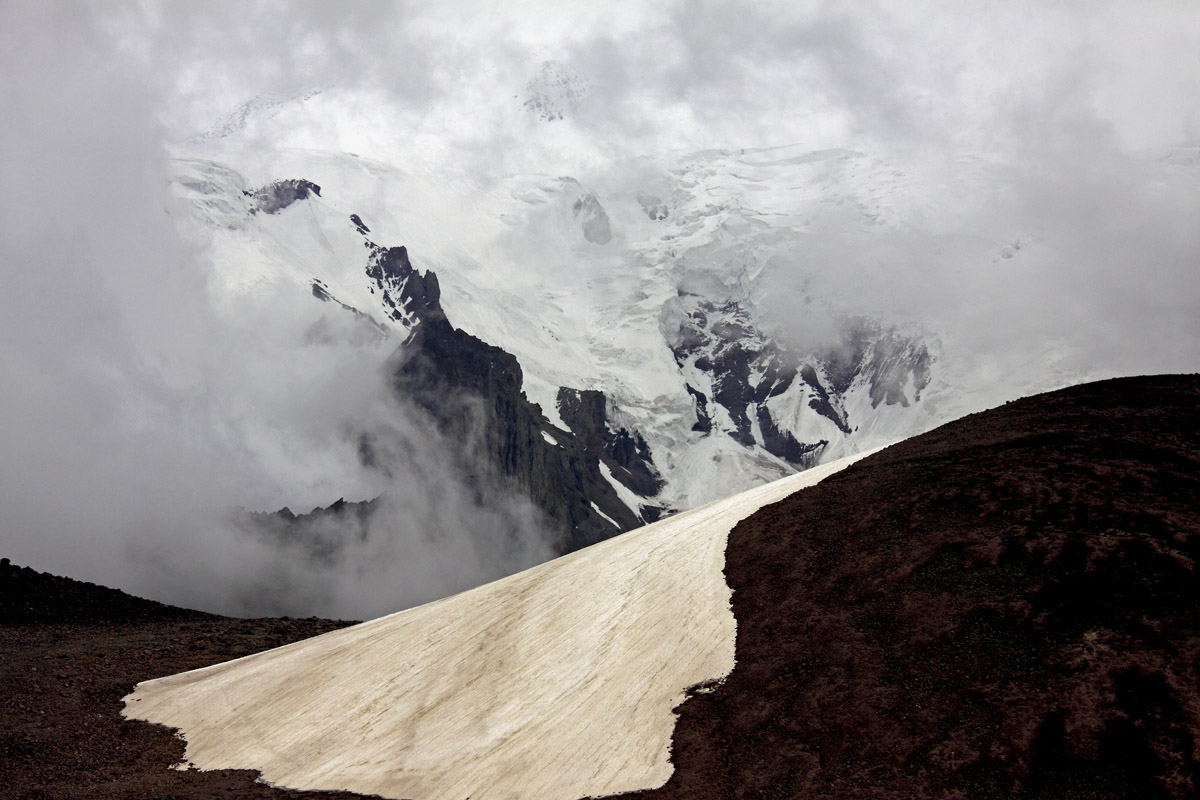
(626, 495)
(558, 682)
(611, 521)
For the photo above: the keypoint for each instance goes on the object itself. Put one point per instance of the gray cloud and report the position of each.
(134, 410)
(429, 534)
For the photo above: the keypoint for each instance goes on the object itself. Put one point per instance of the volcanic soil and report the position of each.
(1004, 607)
(69, 651)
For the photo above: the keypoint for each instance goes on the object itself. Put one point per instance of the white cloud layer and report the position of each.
(133, 406)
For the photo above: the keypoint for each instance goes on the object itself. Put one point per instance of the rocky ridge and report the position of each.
(590, 480)
(747, 385)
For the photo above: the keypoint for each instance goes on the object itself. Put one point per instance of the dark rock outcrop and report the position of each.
(782, 443)
(703, 422)
(408, 295)
(472, 392)
(322, 293)
(820, 401)
(626, 454)
(278, 195)
(886, 359)
(747, 368)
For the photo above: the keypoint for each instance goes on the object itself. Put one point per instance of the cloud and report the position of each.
(140, 406)
(1041, 124)
(137, 408)
(431, 531)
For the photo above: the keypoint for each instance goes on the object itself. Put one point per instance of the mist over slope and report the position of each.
(768, 235)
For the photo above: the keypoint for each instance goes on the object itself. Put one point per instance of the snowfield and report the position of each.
(556, 682)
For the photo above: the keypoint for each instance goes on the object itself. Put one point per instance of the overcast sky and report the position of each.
(130, 406)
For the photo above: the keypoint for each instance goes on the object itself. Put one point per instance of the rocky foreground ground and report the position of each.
(69, 651)
(1005, 607)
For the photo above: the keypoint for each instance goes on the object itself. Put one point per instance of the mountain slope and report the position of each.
(646, 286)
(557, 682)
(31, 597)
(70, 650)
(1006, 606)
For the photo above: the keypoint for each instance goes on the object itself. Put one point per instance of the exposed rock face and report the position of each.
(748, 374)
(278, 195)
(782, 443)
(472, 391)
(409, 296)
(888, 361)
(626, 454)
(322, 293)
(821, 402)
(744, 369)
(1004, 607)
(703, 420)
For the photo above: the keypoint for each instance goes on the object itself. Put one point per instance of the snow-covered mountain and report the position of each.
(640, 373)
(651, 332)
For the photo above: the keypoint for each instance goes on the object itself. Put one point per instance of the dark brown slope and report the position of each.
(1005, 607)
(69, 651)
